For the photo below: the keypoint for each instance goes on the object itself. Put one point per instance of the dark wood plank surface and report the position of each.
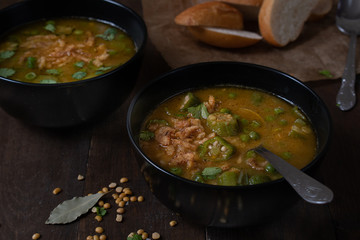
(33, 161)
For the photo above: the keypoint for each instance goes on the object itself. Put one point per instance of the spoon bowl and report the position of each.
(307, 187)
(348, 22)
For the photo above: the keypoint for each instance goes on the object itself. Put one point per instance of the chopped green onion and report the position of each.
(79, 75)
(6, 72)
(53, 71)
(326, 73)
(108, 35)
(146, 135)
(6, 54)
(50, 26)
(48, 81)
(79, 64)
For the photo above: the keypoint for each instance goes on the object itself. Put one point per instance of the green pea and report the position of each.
(286, 155)
(250, 154)
(244, 137)
(278, 110)
(269, 118)
(198, 178)
(255, 124)
(244, 121)
(283, 122)
(258, 179)
(270, 168)
(30, 76)
(176, 170)
(254, 135)
(256, 98)
(78, 32)
(225, 110)
(232, 95)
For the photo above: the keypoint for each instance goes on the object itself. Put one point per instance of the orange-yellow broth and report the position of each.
(275, 120)
(63, 50)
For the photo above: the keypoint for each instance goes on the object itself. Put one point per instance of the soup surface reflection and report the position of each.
(207, 135)
(63, 50)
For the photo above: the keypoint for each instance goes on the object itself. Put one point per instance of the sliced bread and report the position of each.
(212, 14)
(281, 21)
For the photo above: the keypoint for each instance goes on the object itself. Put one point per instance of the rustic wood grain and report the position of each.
(33, 161)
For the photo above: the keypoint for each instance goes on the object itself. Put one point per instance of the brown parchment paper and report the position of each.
(321, 46)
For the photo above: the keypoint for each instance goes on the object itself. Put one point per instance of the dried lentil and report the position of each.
(112, 185)
(120, 210)
(107, 205)
(144, 235)
(172, 223)
(140, 199)
(119, 218)
(118, 189)
(57, 191)
(155, 235)
(99, 230)
(124, 180)
(98, 218)
(103, 237)
(122, 203)
(80, 177)
(36, 236)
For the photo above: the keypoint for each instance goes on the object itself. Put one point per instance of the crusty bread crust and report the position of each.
(281, 21)
(255, 3)
(213, 14)
(225, 38)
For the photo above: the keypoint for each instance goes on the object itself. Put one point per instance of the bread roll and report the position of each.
(225, 38)
(281, 21)
(212, 14)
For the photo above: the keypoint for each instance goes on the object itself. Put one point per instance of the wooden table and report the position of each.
(34, 161)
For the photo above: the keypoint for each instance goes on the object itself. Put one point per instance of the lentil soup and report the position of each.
(207, 135)
(63, 50)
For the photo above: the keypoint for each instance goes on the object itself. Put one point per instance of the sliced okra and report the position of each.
(224, 124)
(216, 149)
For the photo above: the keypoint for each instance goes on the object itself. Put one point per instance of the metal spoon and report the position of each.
(348, 21)
(308, 188)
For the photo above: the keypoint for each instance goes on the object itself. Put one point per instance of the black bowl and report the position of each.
(224, 206)
(69, 104)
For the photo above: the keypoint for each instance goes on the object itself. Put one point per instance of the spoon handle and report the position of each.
(346, 97)
(308, 188)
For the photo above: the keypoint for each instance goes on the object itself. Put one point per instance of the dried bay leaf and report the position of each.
(70, 210)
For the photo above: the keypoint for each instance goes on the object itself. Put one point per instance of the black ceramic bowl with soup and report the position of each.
(73, 103)
(224, 206)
